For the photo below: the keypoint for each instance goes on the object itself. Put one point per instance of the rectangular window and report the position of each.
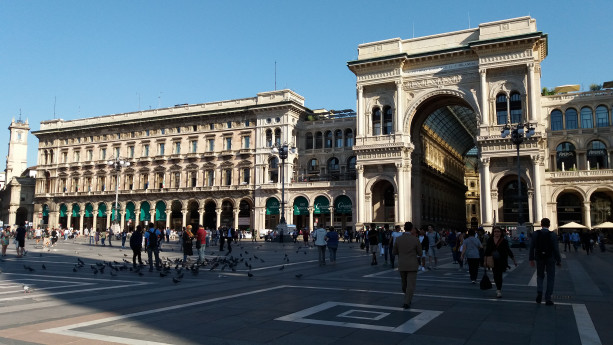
(161, 149)
(130, 182)
(117, 152)
(64, 157)
(229, 124)
(246, 142)
(75, 185)
(211, 145)
(88, 184)
(193, 178)
(211, 126)
(132, 134)
(77, 156)
(246, 175)
(194, 145)
(145, 178)
(177, 180)
(178, 129)
(161, 181)
(195, 128)
(131, 151)
(210, 178)
(147, 132)
(103, 154)
(228, 173)
(162, 131)
(228, 143)
(146, 151)
(178, 148)
(247, 123)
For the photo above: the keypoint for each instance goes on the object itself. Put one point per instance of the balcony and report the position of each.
(246, 151)
(208, 154)
(586, 175)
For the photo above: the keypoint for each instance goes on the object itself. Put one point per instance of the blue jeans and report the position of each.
(155, 251)
(332, 253)
(542, 266)
(201, 253)
(322, 255)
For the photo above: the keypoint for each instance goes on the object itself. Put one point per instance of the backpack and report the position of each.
(543, 246)
(152, 241)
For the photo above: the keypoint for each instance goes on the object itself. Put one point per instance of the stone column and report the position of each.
(69, 219)
(532, 93)
(152, 216)
(95, 220)
(587, 214)
(184, 221)
(360, 115)
(332, 216)
(136, 218)
(81, 215)
(537, 162)
(485, 120)
(486, 200)
(401, 200)
(496, 215)
(168, 215)
(398, 126)
(360, 195)
(13, 216)
(218, 213)
(235, 219)
(122, 217)
(531, 204)
(311, 218)
(201, 216)
(108, 218)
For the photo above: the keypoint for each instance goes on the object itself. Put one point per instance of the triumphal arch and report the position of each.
(428, 106)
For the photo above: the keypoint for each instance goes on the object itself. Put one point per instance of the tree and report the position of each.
(595, 87)
(547, 92)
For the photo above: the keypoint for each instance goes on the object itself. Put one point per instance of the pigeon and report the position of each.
(299, 275)
(125, 255)
(113, 274)
(74, 269)
(28, 268)
(175, 280)
(80, 261)
(99, 254)
(26, 289)
(162, 274)
(249, 274)
(44, 267)
(282, 268)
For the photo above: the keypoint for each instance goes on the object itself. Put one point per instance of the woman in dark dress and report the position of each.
(187, 243)
(498, 247)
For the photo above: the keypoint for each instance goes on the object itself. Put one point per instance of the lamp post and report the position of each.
(117, 164)
(282, 150)
(518, 134)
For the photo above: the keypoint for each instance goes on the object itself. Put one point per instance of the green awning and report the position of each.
(45, 210)
(63, 210)
(89, 210)
(75, 210)
(272, 206)
(114, 211)
(102, 210)
(342, 205)
(301, 206)
(144, 211)
(321, 205)
(160, 211)
(130, 214)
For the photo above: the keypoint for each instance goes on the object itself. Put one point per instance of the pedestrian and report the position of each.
(395, 234)
(305, 236)
(470, 251)
(386, 239)
(499, 249)
(222, 238)
(97, 236)
(124, 237)
(230, 235)
(423, 240)
(167, 235)
(433, 240)
(319, 240)
(103, 237)
(20, 237)
(544, 249)
(451, 241)
(373, 240)
(5, 239)
(187, 238)
(201, 243)
(152, 238)
(136, 244)
(408, 249)
(459, 243)
(522, 241)
(54, 237)
(566, 240)
(332, 244)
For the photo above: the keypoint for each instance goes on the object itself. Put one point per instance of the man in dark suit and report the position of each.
(408, 249)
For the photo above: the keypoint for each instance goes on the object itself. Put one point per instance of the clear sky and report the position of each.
(90, 58)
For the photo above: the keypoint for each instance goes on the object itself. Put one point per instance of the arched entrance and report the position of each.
(130, 216)
(272, 213)
(63, 221)
(321, 212)
(21, 218)
(101, 221)
(244, 215)
(75, 221)
(193, 216)
(145, 214)
(176, 216)
(510, 202)
(210, 215)
(88, 216)
(45, 218)
(383, 202)
(343, 212)
(569, 206)
(160, 215)
(601, 207)
(227, 214)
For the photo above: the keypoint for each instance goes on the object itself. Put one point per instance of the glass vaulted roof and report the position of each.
(456, 125)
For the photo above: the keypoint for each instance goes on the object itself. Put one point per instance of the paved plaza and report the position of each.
(284, 297)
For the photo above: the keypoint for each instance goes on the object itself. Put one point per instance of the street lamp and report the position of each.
(117, 164)
(282, 150)
(518, 134)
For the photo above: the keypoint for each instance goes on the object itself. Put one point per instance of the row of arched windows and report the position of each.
(332, 165)
(586, 118)
(330, 139)
(508, 108)
(596, 156)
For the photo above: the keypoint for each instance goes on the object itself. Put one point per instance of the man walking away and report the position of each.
(373, 240)
(152, 236)
(544, 249)
(408, 249)
(319, 239)
(136, 244)
(201, 244)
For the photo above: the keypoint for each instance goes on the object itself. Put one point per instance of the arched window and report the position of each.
(571, 119)
(277, 136)
(376, 121)
(556, 120)
(333, 165)
(351, 163)
(597, 155)
(587, 120)
(313, 165)
(501, 109)
(602, 116)
(338, 138)
(319, 140)
(268, 138)
(273, 169)
(328, 141)
(515, 107)
(566, 156)
(348, 137)
(309, 140)
(388, 120)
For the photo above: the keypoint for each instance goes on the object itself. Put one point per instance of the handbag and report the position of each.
(485, 284)
(489, 261)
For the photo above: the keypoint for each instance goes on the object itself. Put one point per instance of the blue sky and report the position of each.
(95, 58)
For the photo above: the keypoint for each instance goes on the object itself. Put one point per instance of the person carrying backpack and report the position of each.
(544, 250)
(152, 238)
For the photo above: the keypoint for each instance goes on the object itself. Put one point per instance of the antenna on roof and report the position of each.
(469, 19)
(275, 75)
(413, 29)
(54, 102)
(19, 114)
